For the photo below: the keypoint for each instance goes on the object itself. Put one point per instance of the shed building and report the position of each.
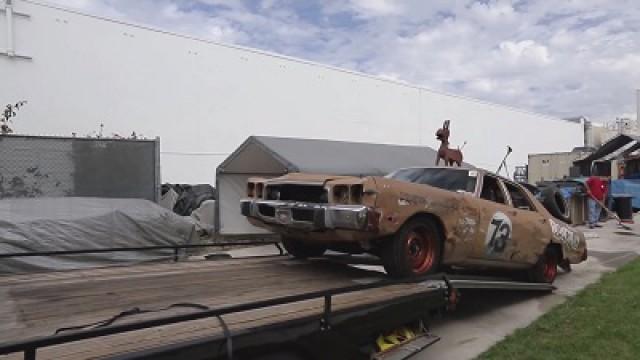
(275, 156)
(619, 148)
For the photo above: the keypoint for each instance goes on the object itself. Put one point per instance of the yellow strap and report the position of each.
(394, 338)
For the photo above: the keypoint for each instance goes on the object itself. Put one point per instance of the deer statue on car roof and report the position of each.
(450, 156)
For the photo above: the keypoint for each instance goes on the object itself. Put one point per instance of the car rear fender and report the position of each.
(571, 241)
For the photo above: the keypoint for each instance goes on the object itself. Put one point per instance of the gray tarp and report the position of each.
(52, 224)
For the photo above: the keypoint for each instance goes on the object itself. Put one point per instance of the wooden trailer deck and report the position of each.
(36, 305)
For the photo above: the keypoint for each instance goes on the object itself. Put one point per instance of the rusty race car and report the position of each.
(417, 220)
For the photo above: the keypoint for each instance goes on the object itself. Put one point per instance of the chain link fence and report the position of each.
(39, 166)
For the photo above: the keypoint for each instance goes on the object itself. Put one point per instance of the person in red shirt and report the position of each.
(597, 190)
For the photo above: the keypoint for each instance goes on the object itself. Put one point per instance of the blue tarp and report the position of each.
(567, 192)
(627, 186)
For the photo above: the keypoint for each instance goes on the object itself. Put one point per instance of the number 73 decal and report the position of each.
(498, 234)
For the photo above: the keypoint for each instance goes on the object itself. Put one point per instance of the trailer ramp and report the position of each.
(217, 309)
(462, 283)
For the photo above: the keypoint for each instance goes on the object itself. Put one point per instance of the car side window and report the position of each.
(491, 190)
(519, 199)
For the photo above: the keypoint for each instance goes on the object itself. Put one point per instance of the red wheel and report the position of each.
(414, 250)
(421, 250)
(550, 268)
(546, 269)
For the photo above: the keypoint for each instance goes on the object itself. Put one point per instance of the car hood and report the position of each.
(305, 178)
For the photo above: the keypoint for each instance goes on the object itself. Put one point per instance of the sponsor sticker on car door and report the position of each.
(565, 234)
(498, 234)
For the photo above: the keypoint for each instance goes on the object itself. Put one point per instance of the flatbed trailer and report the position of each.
(254, 308)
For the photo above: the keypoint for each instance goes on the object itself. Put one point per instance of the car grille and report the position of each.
(267, 210)
(297, 192)
(302, 214)
(297, 214)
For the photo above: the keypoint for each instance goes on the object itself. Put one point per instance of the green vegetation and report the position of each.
(601, 322)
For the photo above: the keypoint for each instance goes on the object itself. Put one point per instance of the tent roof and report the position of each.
(610, 147)
(324, 156)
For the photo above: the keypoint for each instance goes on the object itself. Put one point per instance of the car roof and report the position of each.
(445, 167)
(435, 167)
(479, 170)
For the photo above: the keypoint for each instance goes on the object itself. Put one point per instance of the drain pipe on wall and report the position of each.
(638, 108)
(11, 14)
(8, 10)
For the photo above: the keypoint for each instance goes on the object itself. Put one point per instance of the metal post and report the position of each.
(638, 108)
(280, 249)
(325, 322)
(504, 162)
(156, 168)
(30, 354)
(9, 11)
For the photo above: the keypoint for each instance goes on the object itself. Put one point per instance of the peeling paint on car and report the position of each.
(565, 234)
(466, 228)
(475, 231)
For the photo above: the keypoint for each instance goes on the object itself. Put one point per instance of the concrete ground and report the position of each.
(484, 318)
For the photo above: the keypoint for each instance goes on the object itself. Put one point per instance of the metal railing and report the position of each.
(30, 346)
(176, 248)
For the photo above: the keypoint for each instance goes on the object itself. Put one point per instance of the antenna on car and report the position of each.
(504, 162)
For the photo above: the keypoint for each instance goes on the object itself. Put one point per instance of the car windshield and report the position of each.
(443, 178)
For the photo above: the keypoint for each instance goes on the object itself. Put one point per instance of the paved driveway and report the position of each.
(484, 318)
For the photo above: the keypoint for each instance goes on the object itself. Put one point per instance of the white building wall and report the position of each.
(203, 99)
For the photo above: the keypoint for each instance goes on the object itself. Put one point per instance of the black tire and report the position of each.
(556, 204)
(546, 269)
(416, 249)
(301, 249)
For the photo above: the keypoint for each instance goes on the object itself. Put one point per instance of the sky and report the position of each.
(564, 58)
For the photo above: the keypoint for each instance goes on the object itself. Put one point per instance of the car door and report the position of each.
(528, 238)
(495, 230)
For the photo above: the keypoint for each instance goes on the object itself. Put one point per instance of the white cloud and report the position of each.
(482, 85)
(564, 58)
(526, 52)
(369, 8)
(629, 64)
(492, 12)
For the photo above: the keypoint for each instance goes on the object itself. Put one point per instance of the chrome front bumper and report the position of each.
(310, 216)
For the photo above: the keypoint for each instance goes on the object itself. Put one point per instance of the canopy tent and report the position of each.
(617, 147)
(274, 156)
